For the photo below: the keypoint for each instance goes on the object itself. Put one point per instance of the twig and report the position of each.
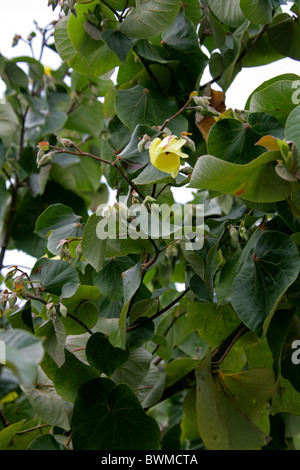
(175, 115)
(160, 312)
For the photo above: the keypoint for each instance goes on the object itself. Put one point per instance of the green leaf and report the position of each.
(58, 222)
(255, 181)
(97, 63)
(22, 318)
(292, 127)
(92, 247)
(132, 158)
(87, 119)
(23, 353)
(71, 375)
(81, 40)
(63, 43)
(277, 334)
(148, 107)
(271, 267)
(151, 388)
(224, 414)
(109, 278)
(131, 281)
(213, 322)
(285, 37)
(182, 44)
(151, 18)
(54, 217)
(7, 434)
(55, 120)
(275, 99)
(8, 120)
(228, 12)
(54, 274)
(235, 141)
(257, 11)
(135, 369)
(54, 335)
(36, 69)
(120, 44)
(103, 356)
(287, 76)
(109, 417)
(177, 369)
(48, 405)
(45, 442)
(14, 75)
(81, 309)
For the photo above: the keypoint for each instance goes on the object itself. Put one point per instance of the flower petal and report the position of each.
(168, 162)
(152, 149)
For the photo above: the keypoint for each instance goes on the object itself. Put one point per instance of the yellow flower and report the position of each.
(165, 154)
(47, 70)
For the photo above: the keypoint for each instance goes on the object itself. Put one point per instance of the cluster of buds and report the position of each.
(16, 40)
(241, 232)
(289, 167)
(51, 310)
(144, 143)
(203, 104)
(65, 252)
(62, 309)
(43, 158)
(189, 142)
(7, 297)
(78, 251)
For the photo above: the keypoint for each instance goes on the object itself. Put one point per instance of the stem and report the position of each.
(176, 114)
(80, 323)
(3, 419)
(114, 164)
(111, 8)
(160, 312)
(221, 352)
(218, 356)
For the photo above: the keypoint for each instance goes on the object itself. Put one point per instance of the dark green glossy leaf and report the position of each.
(109, 278)
(272, 266)
(103, 356)
(120, 44)
(45, 442)
(54, 275)
(109, 417)
(149, 107)
(235, 141)
(71, 375)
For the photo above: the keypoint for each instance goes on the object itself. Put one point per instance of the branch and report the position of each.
(160, 312)
(175, 115)
(218, 356)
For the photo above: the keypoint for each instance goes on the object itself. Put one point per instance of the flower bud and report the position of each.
(46, 159)
(12, 299)
(234, 233)
(9, 275)
(64, 142)
(43, 146)
(63, 310)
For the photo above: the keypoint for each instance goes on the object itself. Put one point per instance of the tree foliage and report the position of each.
(103, 348)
